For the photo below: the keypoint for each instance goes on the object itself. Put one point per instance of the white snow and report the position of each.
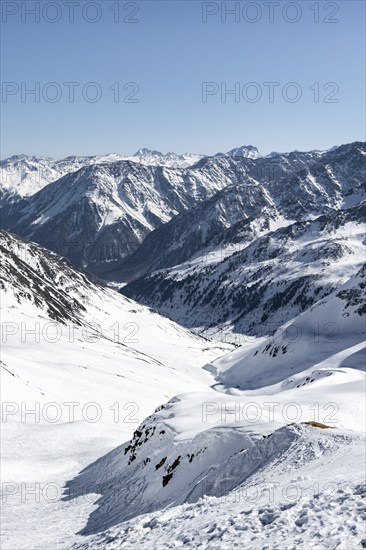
(224, 463)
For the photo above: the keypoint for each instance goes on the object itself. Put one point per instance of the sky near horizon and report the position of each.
(183, 76)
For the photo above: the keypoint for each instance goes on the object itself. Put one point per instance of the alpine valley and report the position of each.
(183, 350)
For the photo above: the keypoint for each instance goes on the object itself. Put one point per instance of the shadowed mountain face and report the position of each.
(253, 287)
(100, 213)
(275, 192)
(256, 254)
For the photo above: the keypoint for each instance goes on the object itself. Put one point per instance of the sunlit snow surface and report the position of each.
(221, 465)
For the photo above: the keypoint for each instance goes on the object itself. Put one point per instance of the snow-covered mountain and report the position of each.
(256, 254)
(26, 175)
(122, 429)
(273, 193)
(257, 460)
(255, 278)
(226, 462)
(100, 211)
(170, 160)
(246, 151)
(100, 361)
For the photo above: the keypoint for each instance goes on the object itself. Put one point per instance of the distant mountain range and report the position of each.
(25, 175)
(191, 233)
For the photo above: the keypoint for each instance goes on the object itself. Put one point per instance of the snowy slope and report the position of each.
(93, 364)
(217, 466)
(39, 283)
(123, 429)
(329, 333)
(234, 466)
(305, 492)
(254, 288)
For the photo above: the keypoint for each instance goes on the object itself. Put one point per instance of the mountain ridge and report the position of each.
(121, 220)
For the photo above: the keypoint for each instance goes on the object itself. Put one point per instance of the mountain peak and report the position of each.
(245, 151)
(145, 151)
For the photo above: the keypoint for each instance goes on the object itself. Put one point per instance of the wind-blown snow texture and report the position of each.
(66, 339)
(234, 466)
(175, 440)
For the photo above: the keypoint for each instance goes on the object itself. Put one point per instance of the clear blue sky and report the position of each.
(169, 52)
